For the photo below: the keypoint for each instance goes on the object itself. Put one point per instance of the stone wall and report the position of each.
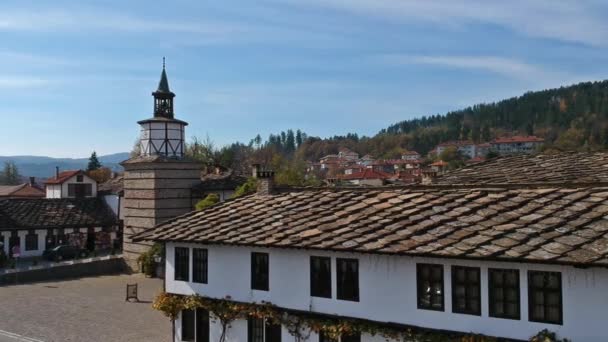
(155, 192)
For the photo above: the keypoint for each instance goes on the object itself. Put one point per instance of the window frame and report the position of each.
(467, 283)
(491, 295)
(543, 288)
(177, 275)
(200, 265)
(319, 286)
(419, 281)
(265, 331)
(340, 289)
(257, 271)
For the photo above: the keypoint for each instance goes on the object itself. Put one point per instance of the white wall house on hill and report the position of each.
(71, 184)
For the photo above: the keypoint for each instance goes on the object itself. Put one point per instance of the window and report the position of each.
(466, 290)
(503, 286)
(430, 286)
(199, 265)
(259, 271)
(31, 241)
(182, 264)
(259, 330)
(79, 178)
(354, 337)
(324, 338)
(545, 297)
(187, 325)
(202, 325)
(348, 279)
(320, 277)
(80, 190)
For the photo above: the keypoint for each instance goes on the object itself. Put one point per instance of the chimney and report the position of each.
(265, 180)
(32, 181)
(56, 172)
(428, 177)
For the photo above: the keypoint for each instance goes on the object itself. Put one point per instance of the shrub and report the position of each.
(247, 188)
(208, 201)
(146, 262)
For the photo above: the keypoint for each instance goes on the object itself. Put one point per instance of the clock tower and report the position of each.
(162, 134)
(158, 180)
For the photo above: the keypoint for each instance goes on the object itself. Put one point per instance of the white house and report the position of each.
(38, 224)
(411, 156)
(517, 144)
(71, 184)
(465, 147)
(500, 262)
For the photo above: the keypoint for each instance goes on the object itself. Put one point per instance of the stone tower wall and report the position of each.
(154, 192)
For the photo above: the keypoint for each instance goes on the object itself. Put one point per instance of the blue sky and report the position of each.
(75, 76)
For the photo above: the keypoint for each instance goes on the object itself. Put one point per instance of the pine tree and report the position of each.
(10, 175)
(290, 142)
(94, 163)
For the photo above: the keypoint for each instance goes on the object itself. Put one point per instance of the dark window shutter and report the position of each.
(320, 277)
(273, 332)
(202, 325)
(348, 279)
(259, 271)
(255, 330)
(187, 325)
(199, 265)
(182, 264)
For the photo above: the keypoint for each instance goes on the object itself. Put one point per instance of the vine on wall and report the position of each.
(300, 324)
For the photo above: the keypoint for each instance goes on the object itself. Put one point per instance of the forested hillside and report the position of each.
(569, 118)
(574, 117)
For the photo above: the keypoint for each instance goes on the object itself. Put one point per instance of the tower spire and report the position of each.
(163, 85)
(163, 97)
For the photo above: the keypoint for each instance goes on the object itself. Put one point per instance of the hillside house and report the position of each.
(411, 156)
(465, 147)
(71, 184)
(366, 177)
(366, 160)
(505, 262)
(347, 154)
(517, 144)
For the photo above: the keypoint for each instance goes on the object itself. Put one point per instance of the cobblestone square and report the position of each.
(87, 309)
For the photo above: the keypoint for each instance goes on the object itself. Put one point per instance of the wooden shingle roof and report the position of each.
(545, 225)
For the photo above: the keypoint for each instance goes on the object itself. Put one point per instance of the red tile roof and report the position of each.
(367, 174)
(63, 176)
(439, 163)
(517, 139)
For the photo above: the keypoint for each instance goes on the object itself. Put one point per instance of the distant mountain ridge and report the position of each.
(44, 167)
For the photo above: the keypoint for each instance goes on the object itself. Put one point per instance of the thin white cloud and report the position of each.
(499, 65)
(578, 21)
(83, 21)
(20, 82)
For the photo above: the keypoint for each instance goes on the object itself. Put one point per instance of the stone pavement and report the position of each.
(87, 309)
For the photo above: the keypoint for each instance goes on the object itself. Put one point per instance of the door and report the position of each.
(13, 241)
(202, 325)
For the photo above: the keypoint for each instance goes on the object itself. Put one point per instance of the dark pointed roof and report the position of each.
(163, 85)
